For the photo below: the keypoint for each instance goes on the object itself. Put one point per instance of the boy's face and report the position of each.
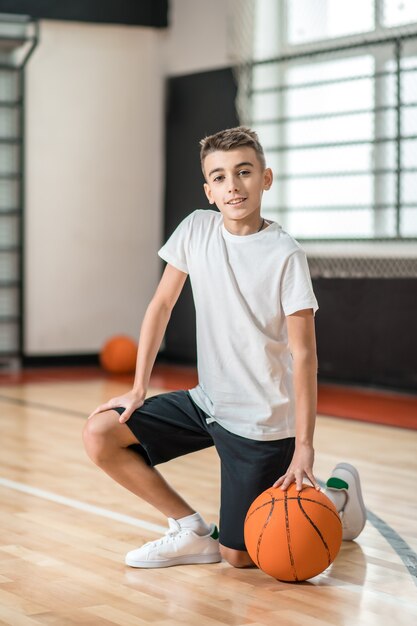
(235, 182)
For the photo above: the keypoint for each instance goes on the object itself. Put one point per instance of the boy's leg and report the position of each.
(344, 489)
(237, 558)
(107, 444)
(165, 427)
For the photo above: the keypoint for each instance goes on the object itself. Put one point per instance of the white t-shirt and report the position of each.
(243, 287)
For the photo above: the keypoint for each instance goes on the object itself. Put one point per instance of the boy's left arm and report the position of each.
(302, 342)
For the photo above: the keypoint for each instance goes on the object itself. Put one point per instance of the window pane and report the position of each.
(9, 301)
(269, 135)
(386, 188)
(9, 233)
(265, 106)
(343, 67)
(336, 159)
(409, 222)
(9, 122)
(409, 153)
(269, 200)
(9, 194)
(9, 86)
(335, 191)
(265, 76)
(322, 191)
(409, 121)
(330, 224)
(8, 337)
(9, 159)
(409, 83)
(396, 12)
(314, 92)
(355, 224)
(330, 129)
(385, 223)
(266, 35)
(9, 266)
(409, 188)
(311, 20)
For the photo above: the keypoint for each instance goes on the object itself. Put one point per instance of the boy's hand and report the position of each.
(130, 402)
(300, 466)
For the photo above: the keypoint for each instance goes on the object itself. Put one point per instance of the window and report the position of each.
(337, 116)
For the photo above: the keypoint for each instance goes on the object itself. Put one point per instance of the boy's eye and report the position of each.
(218, 179)
(243, 172)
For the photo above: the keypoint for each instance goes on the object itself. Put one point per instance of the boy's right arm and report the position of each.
(152, 332)
(155, 322)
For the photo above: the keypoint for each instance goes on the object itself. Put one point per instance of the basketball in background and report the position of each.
(118, 355)
(292, 535)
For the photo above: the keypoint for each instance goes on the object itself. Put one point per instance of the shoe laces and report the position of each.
(173, 530)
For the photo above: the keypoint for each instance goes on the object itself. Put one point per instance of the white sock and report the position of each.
(338, 497)
(196, 523)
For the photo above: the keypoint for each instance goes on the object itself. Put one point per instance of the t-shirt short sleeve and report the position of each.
(296, 288)
(176, 249)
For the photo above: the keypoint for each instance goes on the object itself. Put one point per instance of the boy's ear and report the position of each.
(207, 191)
(268, 178)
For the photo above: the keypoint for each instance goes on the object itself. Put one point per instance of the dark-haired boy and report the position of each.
(257, 369)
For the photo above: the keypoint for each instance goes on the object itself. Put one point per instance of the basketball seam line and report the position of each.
(317, 531)
(287, 528)
(258, 546)
(293, 498)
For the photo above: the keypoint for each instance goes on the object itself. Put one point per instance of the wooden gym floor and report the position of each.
(65, 527)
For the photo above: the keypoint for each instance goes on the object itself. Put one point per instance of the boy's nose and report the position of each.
(233, 186)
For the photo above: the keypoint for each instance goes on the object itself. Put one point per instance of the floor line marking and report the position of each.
(401, 547)
(397, 543)
(81, 506)
(41, 406)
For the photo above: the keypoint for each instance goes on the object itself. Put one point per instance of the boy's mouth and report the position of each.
(236, 201)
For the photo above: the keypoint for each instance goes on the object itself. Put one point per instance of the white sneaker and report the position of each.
(179, 546)
(345, 478)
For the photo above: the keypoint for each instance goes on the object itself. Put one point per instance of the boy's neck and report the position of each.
(236, 228)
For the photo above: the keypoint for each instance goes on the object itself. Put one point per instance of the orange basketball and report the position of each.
(293, 535)
(118, 355)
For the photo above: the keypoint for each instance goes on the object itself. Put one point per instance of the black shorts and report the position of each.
(170, 425)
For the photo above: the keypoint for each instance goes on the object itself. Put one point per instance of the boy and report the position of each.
(257, 368)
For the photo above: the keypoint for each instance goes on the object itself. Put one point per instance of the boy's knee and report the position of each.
(236, 558)
(98, 437)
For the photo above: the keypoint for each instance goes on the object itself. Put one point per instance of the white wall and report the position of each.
(94, 184)
(95, 170)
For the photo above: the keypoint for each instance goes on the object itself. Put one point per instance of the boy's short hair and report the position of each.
(230, 139)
